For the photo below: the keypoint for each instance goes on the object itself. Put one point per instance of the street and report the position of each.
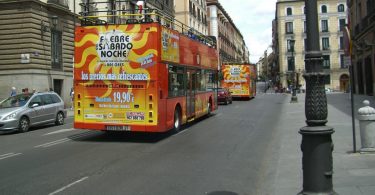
(231, 151)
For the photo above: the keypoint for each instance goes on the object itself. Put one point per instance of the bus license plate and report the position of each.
(117, 128)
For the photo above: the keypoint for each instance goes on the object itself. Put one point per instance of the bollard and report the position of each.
(366, 117)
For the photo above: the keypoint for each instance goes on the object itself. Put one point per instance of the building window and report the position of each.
(56, 49)
(305, 43)
(327, 79)
(291, 63)
(190, 7)
(325, 43)
(324, 25)
(289, 48)
(342, 62)
(324, 9)
(289, 11)
(304, 26)
(341, 46)
(342, 23)
(289, 28)
(326, 62)
(341, 8)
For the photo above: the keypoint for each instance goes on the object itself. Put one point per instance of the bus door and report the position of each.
(190, 99)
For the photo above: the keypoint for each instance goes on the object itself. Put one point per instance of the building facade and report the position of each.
(230, 42)
(291, 28)
(362, 31)
(193, 14)
(36, 46)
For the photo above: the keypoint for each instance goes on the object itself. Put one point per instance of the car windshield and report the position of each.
(15, 101)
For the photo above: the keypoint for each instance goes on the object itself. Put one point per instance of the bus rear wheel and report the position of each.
(177, 121)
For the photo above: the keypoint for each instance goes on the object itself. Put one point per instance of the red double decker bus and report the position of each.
(140, 75)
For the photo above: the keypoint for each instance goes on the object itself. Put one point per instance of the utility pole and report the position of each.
(317, 143)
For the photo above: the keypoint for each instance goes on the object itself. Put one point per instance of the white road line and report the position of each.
(4, 156)
(181, 132)
(68, 186)
(60, 141)
(52, 143)
(59, 131)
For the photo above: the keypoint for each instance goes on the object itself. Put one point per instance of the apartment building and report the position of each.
(231, 44)
(362, 30)
(193, 14)
(291, 29)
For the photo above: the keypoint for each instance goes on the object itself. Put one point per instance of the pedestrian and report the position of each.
(26, 91)
(72, 98)
(13, 92)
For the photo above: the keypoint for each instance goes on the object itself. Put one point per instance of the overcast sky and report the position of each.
(254, 19)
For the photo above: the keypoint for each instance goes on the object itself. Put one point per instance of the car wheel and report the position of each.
(177, 121)
(226, 101)
(59, 118)
(24, 124)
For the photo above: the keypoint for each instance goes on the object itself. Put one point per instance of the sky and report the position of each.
(254, 20)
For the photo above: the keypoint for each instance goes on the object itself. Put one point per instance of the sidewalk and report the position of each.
(354, 173)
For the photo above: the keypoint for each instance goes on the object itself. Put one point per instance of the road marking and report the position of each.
(59, 131)
(181, 132)
(52, 143)
(60, 141)
(68, 186)
(8, 155)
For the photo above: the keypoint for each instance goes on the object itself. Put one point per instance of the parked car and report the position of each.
(23, 111)
(224, 96)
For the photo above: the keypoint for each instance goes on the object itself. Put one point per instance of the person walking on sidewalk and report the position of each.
(71, 98)
(13, 91)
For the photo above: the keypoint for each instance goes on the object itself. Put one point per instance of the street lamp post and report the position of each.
(294, 95)
(316, 143)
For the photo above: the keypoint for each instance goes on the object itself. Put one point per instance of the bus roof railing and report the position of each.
(90, 17)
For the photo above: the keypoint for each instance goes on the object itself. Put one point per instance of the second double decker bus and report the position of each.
(139, 75)
(240, 79)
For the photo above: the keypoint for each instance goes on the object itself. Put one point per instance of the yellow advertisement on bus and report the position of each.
(238, 78)
(114, 66)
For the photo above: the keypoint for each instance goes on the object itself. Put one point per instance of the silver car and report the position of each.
(22, 111)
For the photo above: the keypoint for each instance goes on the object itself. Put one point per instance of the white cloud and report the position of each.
(254, 19)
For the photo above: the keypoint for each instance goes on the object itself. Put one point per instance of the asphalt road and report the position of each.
(231, 152)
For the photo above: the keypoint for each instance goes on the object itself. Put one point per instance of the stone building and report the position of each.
(291, 27)
(230, 42)
(36, 46)
(362, 31)
(193, 14)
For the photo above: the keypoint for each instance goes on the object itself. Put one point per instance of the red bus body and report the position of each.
(123, 76)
